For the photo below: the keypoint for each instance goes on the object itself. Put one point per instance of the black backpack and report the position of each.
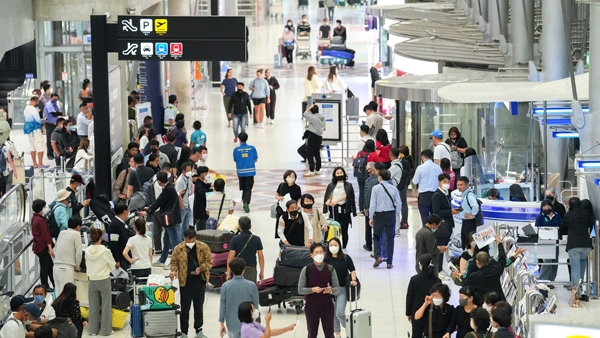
(479, 216)
(360, 165)
(52, 224)
(405, 179)
(64, 326)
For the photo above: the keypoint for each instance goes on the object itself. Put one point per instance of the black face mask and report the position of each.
(550, 198)
(339, 178)
(294, 213)
(307, 205)
(240, 90)
(547, 211)
(154, 150)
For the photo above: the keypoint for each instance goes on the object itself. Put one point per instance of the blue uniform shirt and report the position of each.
(426, 176)
(198, 139)
(245, 157)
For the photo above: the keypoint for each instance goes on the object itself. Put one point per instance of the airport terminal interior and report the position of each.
(518, 93)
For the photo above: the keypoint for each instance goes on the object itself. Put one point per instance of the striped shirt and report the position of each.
(213, 203)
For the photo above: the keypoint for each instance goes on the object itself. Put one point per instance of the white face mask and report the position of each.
(445, 186)
(188, 174)
(488, 308)
(204, 157)
(473, 325)
(319, 258)
(437, 301)
(169, 175)
(286, 30)
(470, 252)
(334, 249)
(190, 245)
(255, 314)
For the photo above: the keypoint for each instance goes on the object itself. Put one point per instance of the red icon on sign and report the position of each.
(176, 49)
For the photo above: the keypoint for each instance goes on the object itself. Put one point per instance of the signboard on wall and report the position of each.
(330, 105)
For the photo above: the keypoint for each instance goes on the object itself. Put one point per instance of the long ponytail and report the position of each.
(427, 267)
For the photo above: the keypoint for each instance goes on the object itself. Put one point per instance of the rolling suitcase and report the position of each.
(286, 276)
(137, 329)
(265, 284)
(120, 300)
(333, 230)
(217, 276)
(160, 323)
(278, 59)
(352, 109)
(295, 256)
(358, 323)
(219, 258)
(217, 240)
(157, 297)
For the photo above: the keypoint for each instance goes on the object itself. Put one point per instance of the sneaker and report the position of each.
(584, 298)
(318, 172)
(268, 120)
(157, 252)
(235, 139)
(167, 267)
(310, 173)
(246, 208)
(262, 125)
(199, 334)
(158, 264)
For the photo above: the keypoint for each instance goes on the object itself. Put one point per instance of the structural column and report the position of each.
(521, 36)
(180, 71)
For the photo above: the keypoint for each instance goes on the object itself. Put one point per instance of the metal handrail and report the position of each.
(530, 298)
(521, 277)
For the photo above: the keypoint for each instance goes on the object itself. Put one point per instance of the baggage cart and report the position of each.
(322, 44)
(303, 46)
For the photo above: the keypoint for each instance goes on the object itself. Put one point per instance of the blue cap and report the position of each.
(437, 133)
(34, 311)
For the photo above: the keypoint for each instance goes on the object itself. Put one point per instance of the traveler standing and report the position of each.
(140, 246)
(219, 204)
(234, 292)
(289, 41)
(86, 90)
(440, 148)
(260, 96)
(314, 138)
(384, 208)
(548, 221)
(184, 183)
(441, 206)
(319, 283)
(334, 83)
(344, 268)
(425, 242)
(83, 157)
(407, 165)
(364, 136)
(119, 234)
(100, 263)
(557, 205)
(447, 169)
(273, 86)
(374, 120)
(436, 312)
(228, 87)
(247, 246)
(54, 139)
(292, 226)
(461, 320)
(457, 144)
(84, 119)
(62, 210)
(368, 151)
(240, 107)
(418, 289)
(33, 129)
(51, 113)
(487, 278)
(75, 184)
(200, 200)
(426, 176)
(139, 175)
(373, 179)
(198, 137)
(120, 186)
(330, 4)
(383, 148)
(376, 76)
(339, 201)
(190, 263)
(42, 242)
(245, 157)
(68, 254)
(470, 209)
(317, 219)
(311, 85)
(171, 112)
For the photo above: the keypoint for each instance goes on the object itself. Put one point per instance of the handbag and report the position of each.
(166, 218)
(352, 292)
(350, 93)
(211, 223)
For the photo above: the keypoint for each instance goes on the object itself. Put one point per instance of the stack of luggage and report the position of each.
(219, 243)
(339, 56)
(155, 314)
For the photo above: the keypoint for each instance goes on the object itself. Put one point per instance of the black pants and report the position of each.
(270, 107)
(313, 152)
(404, 201)
(46, 266)
(468, 225)
(49, 129)
(384, 224)
(302, 151)
(344, 219)
(330, 12)
(193, 291)
(442, 241)
(156, 232)
(361, 193)
(289, 55)
(79, 325)
(141, 273)
(200, 223)
(368, 234)
(418, 327)
(246, 185)
(424, 202)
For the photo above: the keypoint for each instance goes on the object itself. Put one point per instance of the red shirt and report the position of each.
(371, 158)
(41, 233)
(383, 152)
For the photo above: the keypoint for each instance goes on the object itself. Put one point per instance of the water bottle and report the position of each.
(593, 290)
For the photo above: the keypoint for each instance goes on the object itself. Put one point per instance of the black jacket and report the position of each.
(273, 82)
(172, 153)
(240, 102)
(374, 76)
(488, 277)
(577, 230)
(167, 200)
(200, 190)
(68, 140)
(118, 234)
(559, 208)
(350, 206)
(418, 288)
(441, 206)
(75, 205)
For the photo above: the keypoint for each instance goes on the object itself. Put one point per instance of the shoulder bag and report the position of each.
(211, 223)
(352, 293)
(244, 248)
(166, 217)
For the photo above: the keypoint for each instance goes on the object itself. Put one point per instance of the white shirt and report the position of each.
(311, 86)
(81, 160)
(140, 247)
(5, 150)
(338, 192)
(157, 190)
(441, 151)
(82, 124)
(375, 122)
(337, 85)
(364, 140)
(30, 114)
(184, 183)
(143, 142)
(13, 328)
(48, 312)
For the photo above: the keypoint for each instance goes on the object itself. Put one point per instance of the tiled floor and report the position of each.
(383, 291)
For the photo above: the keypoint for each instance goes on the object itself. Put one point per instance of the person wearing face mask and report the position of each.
(303, 26)
(340, 31)
(479, 323)
(273, 86)
(426, 176)
(75, 184)
(340, 202)
(418, 289)
(51, 113)
(384, 209)
(155, 150)
(461, 320)
(289, 41)
(62, 209)
(440, 205)
(139, 175)
(140, 247)
(15, 325)
(118, 234)
(245, 157)
(240, 105)
(247, 246)
(557, 205)
(289, 186)
(334, 83)
(494, 195)
(184, 187)
(436, 321)
(169, 148)
(548, 223)
(190, 263)
(67, 305)
(487, 278)
(290, 26)
(319, 284)
(200, 190)
(292, 225)
(39, 297)
(502, 320)
(346, 273)
(468, 254)
(42, 242)
(248, 314)
(325, 30)
(425, 242)
(315, 215)
(69, 141)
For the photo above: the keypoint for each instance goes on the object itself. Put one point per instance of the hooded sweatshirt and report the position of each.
(99, 261)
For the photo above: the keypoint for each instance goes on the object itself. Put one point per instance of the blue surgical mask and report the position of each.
(72, 128)
(39, 299)
(432, 230)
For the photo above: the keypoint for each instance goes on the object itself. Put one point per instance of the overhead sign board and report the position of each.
(181, 50)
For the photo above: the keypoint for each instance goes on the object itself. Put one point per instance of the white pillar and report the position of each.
(180, 71)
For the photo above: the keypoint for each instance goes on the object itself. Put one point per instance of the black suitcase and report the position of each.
(217, 276)
(121, 300)
(295, 256)
(286, 276)
(217, 240)
(273, 296)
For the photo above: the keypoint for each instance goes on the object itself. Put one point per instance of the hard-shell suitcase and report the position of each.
(217, 276)
(217, 240)
(286, 275)
(120, 300)
(265, 284)
(295, 256)
(352, 108)
(160, 323)
(219, 258)
(272, 296)
(137, 329)
(277, 60)
(358, 323)
(333, 230)
(160, 297)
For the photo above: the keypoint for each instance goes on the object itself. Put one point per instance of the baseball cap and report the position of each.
(19, 300)
(34, 311)
(437, 134)
(77, 178)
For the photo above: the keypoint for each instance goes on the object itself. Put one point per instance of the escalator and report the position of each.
(6, 86)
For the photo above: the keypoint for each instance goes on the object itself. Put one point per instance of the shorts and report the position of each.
(259, 101)
(37, 142)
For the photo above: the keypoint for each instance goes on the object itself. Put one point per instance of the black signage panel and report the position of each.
(189, 27)
(181, 50)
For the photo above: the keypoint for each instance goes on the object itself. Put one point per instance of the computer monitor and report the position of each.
(564, 326)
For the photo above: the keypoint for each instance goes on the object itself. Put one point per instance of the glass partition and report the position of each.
(12, 208)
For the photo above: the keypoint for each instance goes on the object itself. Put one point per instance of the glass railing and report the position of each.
(18, 99)
(46, 183)
(12, 208)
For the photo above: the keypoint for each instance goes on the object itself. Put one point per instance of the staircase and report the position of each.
(6, 86)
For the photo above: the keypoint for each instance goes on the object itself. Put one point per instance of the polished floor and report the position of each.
(383, 291)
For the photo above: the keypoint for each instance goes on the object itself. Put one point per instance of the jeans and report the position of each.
(579, 261)
(239, 120)
(384, 225)
(185, 220)
(340, 302)
(383, 245)
(170, 240)
(424, 201)
(548, 272)
(361, 193)
(404, 211)
(194, 290)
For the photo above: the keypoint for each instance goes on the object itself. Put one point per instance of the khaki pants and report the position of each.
(250, 274)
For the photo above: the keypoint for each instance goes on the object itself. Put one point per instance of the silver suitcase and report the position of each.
(277, 60)
(160, 323)
(358, 323)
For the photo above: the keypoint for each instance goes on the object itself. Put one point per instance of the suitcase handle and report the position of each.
(356, 301)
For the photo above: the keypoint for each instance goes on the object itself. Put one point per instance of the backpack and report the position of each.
(360, 165)
(479, 216)
(52, 223)
(65, 327)
(140, 198)
(405, 179)
(456, 159)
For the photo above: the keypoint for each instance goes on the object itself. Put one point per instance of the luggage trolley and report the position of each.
(322, 44)
(303, 50)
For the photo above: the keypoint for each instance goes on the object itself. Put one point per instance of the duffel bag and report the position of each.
(219, 258)
(272, 296)
(286, 275)
(217, 241)
(265, 284)
(217, 276)
(295, 256)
